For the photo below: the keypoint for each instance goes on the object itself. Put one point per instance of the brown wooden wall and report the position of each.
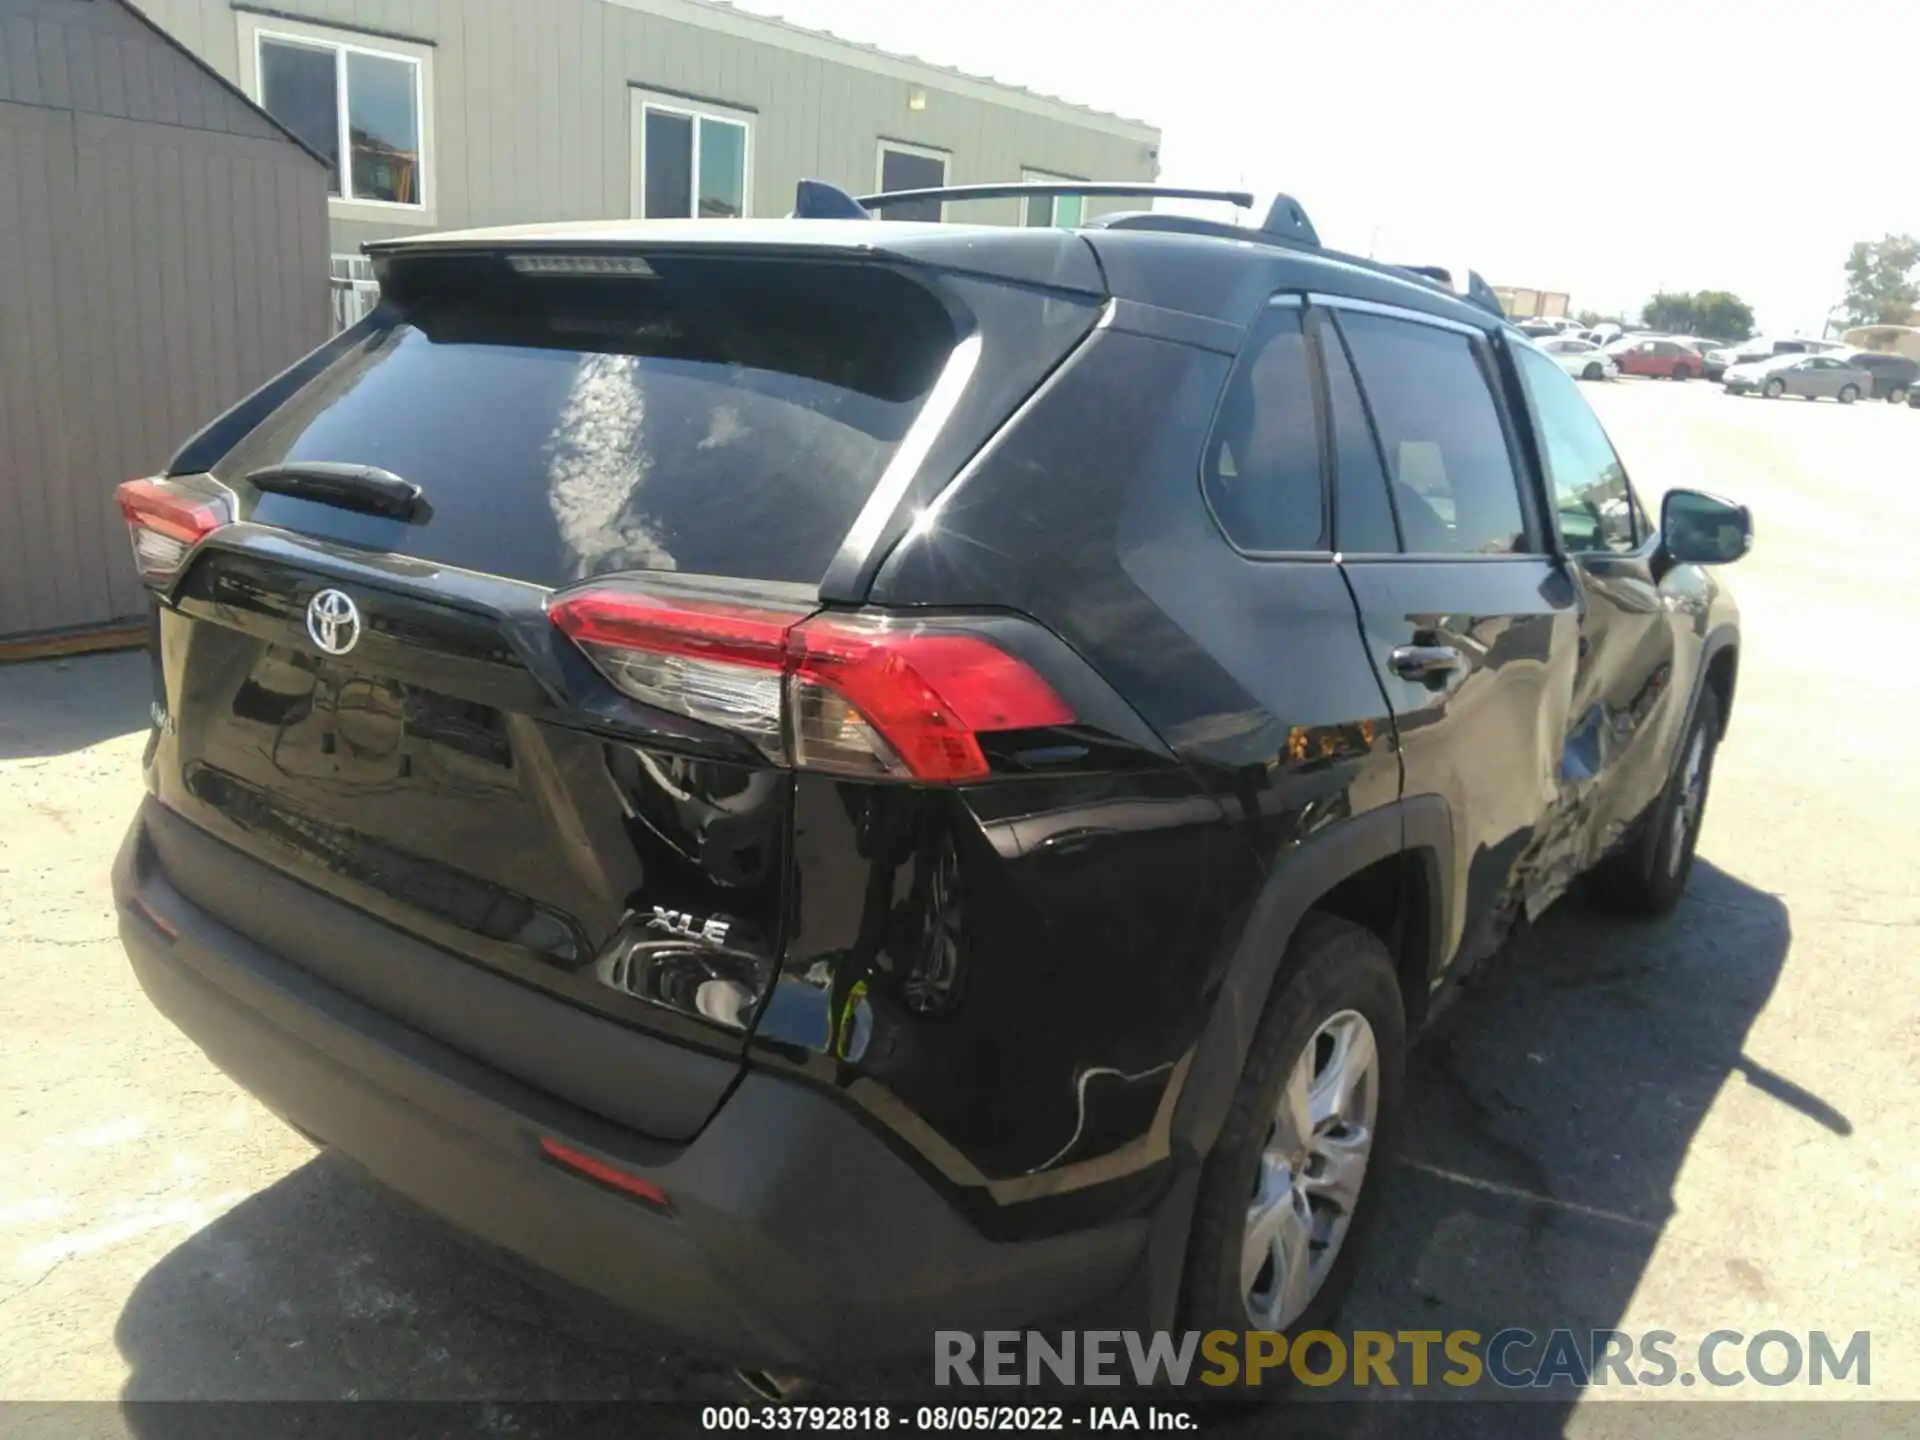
(163, 250)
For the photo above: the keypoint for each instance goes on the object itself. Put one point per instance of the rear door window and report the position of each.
(719, 417)
(1448, 463)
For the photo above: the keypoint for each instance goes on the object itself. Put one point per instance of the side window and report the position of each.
(1590, 495)
(1446, 451)
(1262, 472)
(1362, 513)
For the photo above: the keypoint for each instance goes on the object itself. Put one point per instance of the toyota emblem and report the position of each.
(333, 620)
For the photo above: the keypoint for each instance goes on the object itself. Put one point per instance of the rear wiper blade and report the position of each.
(366, 488)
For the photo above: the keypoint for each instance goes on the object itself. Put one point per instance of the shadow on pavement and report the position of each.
(1551, 1107)
(54, 707)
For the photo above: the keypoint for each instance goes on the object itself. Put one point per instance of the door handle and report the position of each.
(1432, 665)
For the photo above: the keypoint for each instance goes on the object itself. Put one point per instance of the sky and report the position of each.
(1603, 149)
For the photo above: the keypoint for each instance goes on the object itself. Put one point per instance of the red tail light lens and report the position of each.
(165, 520)
(854, 695)
(867, 698)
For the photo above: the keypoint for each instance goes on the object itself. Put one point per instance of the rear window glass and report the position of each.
(717, 417)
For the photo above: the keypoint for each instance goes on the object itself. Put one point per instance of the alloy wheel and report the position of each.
(1311, 1170)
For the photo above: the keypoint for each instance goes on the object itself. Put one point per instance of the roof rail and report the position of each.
(1475, 291)
(1044, 188)
(1286, 218)
(817, 200)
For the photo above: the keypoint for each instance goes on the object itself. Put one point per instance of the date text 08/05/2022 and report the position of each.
(995, 1419)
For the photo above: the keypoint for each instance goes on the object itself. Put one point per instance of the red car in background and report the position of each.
(1666, 359)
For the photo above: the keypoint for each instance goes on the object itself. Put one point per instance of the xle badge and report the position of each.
(679, 922)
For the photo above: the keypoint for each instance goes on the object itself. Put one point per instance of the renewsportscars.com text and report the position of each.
(1511, 1359)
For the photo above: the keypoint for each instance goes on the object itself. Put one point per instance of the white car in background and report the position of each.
(1581, 359)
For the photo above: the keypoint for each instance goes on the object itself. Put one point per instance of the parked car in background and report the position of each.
(1763, 347)
(1893, 376)
(1581, 359)
(1545, 326)
(1813, 377)
(1662, 357)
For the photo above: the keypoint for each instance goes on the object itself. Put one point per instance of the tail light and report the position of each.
(166, 520)
(852, 695)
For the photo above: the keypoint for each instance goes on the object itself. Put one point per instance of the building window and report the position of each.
(1063, 210)
(359, 108)
(912, 167)
(694, 162)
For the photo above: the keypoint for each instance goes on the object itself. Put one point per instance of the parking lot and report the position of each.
(1712, 1122)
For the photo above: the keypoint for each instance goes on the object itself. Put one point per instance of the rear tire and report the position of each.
(1897, 395)
(1592, 372)
(1681, 372)
(1849, 394)
(1774, 389)
(1336, 998)
(1649, 876)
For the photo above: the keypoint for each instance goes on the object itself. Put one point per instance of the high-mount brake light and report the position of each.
(165, 520)
(847, 694)
(630, 267)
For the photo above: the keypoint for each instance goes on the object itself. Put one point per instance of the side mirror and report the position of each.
(1700, 529)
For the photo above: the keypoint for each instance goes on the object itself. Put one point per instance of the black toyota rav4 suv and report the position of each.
(825, 779)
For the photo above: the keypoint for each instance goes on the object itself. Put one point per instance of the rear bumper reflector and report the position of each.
(568, 1158)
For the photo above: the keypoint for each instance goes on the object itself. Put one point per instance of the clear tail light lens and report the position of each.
(853, 695)
(717, 663)
(165, 520)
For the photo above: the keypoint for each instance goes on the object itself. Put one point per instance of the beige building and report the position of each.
(444, 114)
(1521, 303)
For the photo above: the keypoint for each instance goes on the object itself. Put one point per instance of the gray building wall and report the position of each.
(162, 252)
(531, 104)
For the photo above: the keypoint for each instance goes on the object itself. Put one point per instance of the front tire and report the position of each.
(1649, 876)
(1897, 395)
(1291, 1184)
(1774, 389)
(1592, 372)
(1849, 394)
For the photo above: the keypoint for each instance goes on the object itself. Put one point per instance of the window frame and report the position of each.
(1643, 530)
(1542, 537)
(907, 147)
(1323, 329)
(310, 36)
(698, 112)
(1317, 390)
(1049, 177)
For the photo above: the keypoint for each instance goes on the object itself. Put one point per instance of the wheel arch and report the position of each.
(1390, 871)
(1720, 672)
